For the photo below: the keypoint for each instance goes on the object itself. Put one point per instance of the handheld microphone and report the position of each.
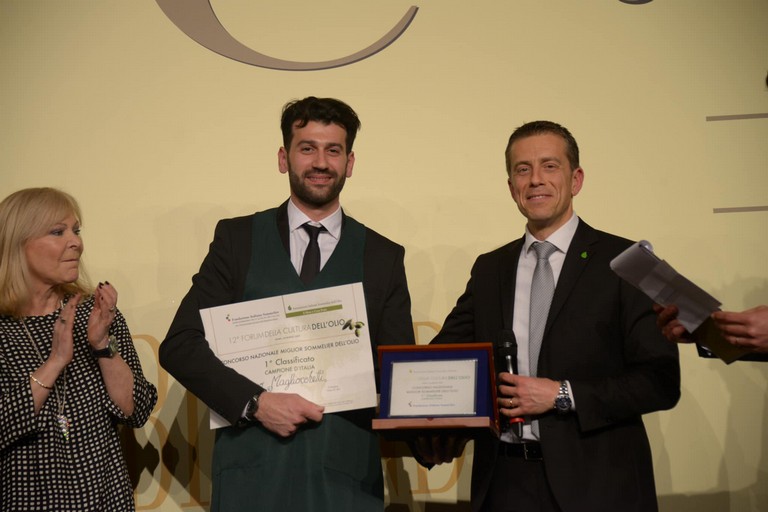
(507, 351)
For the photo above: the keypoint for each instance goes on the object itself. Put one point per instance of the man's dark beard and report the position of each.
(310, 197)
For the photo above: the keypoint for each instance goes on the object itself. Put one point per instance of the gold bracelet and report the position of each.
(38, 382)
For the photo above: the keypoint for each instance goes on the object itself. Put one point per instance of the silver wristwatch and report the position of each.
(563, 399)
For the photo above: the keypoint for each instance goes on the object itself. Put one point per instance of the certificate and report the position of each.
(315, 344)
(433, 388)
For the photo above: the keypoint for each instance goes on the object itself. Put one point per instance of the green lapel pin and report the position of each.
(584, 255)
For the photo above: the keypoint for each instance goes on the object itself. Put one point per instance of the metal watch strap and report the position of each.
(563, 401)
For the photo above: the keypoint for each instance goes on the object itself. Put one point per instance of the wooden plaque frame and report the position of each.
(486, 411)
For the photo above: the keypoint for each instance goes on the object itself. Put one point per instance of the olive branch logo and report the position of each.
(353, 326)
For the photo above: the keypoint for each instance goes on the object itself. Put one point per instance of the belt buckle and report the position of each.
(532, 453)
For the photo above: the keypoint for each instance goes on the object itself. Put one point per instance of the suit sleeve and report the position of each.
(479, 315)
(185, 353)
(459, 325)
(396, 323)
(641, 375)
(388, 301)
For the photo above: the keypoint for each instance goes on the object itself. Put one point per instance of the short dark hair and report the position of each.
(323, 110)
(540, 128)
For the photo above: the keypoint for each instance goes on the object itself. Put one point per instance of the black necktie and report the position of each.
(310, 267)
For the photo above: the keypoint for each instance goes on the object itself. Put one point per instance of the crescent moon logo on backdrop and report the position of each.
(197, 19)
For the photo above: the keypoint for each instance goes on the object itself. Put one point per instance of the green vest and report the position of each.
(271, 272)
(333, 466)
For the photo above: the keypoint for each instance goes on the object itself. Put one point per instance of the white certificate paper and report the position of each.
(315, 344)
(433, 388)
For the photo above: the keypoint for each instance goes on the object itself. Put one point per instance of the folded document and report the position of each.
(640, 267)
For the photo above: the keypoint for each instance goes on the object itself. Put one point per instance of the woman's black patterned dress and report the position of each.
(39, 468)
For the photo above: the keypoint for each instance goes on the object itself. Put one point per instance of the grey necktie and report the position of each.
(310, 266)
(542, 290)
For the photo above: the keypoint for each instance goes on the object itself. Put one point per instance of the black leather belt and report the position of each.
(527, 451)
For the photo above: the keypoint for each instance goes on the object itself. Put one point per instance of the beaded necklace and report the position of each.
(61, 402)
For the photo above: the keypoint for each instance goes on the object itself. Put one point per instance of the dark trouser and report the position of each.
(518, 485)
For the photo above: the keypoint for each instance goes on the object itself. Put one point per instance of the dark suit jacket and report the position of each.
(601, 335)
(185, 353)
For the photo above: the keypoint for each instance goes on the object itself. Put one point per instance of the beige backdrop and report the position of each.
(158, 137)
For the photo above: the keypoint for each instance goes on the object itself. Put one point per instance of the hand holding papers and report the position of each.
(315, 344)
(640, 267)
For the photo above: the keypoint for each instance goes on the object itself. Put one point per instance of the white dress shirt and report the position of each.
(299, 238)
(526, 265)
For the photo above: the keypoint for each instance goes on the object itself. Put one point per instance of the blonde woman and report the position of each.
(69, 372)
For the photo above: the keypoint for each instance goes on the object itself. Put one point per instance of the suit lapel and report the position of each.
(507, 281)
(576, 260)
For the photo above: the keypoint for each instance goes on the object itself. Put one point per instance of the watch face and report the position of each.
(109, 351)
(563, 403)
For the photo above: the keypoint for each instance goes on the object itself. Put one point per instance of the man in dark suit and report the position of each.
(602, 361)
(282, 452)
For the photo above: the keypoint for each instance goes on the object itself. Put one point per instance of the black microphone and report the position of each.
(507, 361)
(507, 351)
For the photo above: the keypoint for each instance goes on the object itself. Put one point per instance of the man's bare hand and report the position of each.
(520, 395)
(746, 329)
(438, 449)
(284, 413)
(670, 326)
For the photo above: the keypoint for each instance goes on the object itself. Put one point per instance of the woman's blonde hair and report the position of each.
(24, 215)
